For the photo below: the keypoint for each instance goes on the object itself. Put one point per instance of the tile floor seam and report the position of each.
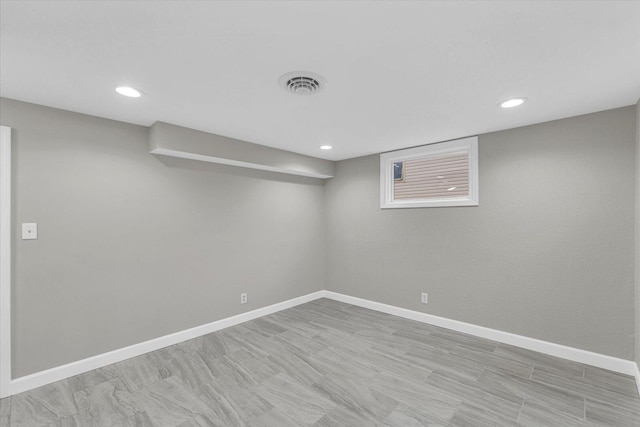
(591, 387)
(524, 400)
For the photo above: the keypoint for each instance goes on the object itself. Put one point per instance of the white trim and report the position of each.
(5, 260)
(582, 356)
(48, 376)
(38, 379)
(212, 159)
(637, 375)
(387, 160)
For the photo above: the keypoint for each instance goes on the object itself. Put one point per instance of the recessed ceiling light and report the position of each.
(129, 91)
(326, 147)
(513, 102)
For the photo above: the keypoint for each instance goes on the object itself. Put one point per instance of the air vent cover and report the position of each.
(302, 82)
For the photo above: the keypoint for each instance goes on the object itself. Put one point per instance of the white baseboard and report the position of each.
(637, 375)
(48, 376)
(28, 382)
(582, 356)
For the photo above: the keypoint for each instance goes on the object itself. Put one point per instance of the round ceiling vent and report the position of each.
(302, 82)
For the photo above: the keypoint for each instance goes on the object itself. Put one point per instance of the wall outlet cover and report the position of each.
(29, 231)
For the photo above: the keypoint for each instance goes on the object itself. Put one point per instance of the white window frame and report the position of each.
(469, 145)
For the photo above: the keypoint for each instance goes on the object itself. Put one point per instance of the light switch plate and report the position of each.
(29, 231)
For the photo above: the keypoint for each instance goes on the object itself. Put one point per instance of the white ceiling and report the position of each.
(399, 73)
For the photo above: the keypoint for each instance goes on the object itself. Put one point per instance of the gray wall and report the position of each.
(133, 246)
(548, 253)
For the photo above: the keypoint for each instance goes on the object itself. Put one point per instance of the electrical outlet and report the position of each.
(243, 298)
(425, 298)
(29, 231)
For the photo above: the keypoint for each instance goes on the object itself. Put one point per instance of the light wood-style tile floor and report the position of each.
(327, 363)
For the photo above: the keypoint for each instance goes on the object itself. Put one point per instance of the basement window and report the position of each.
(434, 175)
